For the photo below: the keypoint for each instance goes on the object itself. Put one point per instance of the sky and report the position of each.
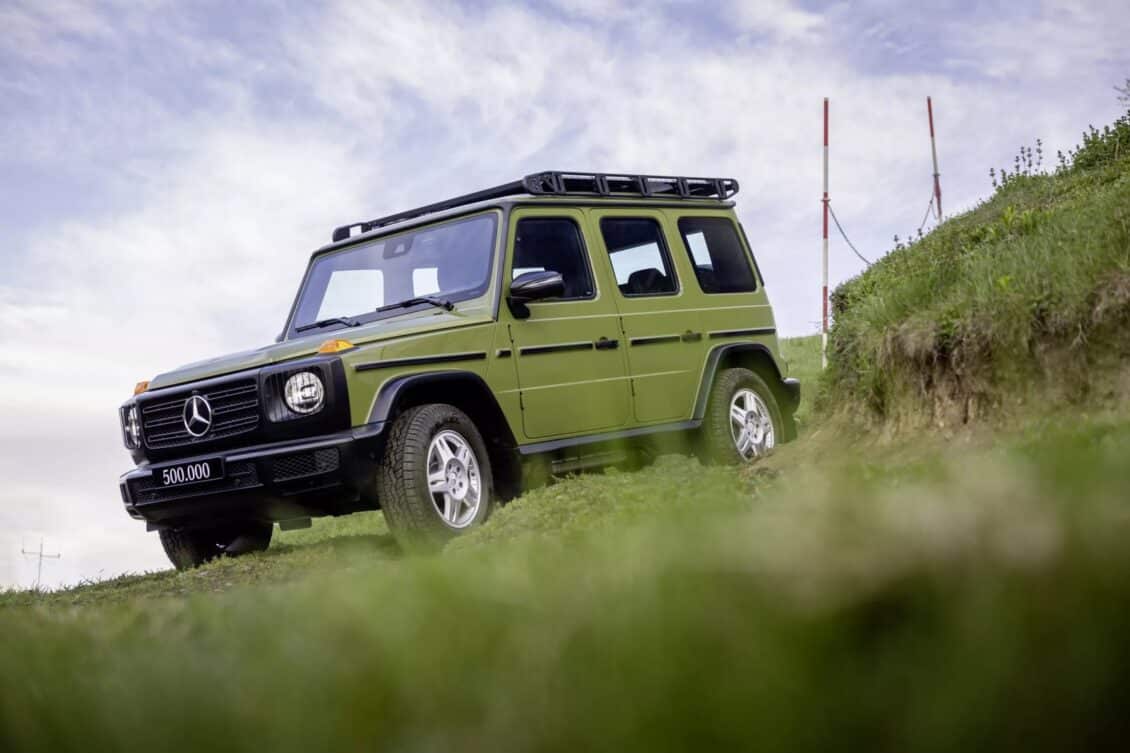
(166, 168)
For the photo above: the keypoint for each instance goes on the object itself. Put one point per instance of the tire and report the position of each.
(425, 503)
(721, 434)
(193, 547)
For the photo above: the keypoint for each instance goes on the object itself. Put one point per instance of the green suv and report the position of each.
(438, 361)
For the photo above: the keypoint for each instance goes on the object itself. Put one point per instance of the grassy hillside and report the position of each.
(1024, 299)
(942, 591)
(848, 593)
(902, 597)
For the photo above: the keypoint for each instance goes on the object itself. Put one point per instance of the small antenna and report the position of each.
(40, 555)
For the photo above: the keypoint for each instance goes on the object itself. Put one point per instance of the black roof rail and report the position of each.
(560, 183)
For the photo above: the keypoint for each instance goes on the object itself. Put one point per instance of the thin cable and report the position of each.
(850, 244)
(926, 217)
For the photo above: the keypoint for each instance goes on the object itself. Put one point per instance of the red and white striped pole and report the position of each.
(824, 259)
(934, 153)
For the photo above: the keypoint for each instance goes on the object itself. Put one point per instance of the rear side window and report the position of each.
(720, 263)
(554, 244)
(639, 256)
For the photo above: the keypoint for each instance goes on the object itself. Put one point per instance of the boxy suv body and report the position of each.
(437, 361)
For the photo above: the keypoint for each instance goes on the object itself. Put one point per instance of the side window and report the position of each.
(554, 244)
(720, 263)
(639, 256)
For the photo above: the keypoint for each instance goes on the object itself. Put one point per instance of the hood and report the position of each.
(307, 345)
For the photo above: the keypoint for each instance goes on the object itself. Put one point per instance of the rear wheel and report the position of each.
(435, 479)
(188, 548)
(743, 421)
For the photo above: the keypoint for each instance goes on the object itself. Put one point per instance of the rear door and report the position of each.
(572, 371)
(733, 306)
(664, 344)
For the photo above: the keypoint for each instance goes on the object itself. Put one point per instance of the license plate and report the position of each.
(185, 474)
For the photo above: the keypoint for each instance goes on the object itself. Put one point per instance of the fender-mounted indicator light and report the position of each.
(140, 387)
(336, 346)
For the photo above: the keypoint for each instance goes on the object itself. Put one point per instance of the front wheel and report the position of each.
(743, 421)
(188, 548)
(434, 480)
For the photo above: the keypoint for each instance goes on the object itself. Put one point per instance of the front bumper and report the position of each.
(326, 475)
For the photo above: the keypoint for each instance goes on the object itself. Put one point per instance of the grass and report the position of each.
(859, 590)
(848, 593)
(1024, 299)
(903, 597)
(802, 354)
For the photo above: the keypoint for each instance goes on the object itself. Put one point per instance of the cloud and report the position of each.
(782, 19)
(227, 146)
(50, 33)
(1063, 39)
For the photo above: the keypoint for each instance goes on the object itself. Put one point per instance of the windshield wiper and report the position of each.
(442, 303)
(344, 321)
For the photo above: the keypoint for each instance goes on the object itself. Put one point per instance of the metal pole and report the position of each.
(934, 154)
(824, 256)
(41, 556)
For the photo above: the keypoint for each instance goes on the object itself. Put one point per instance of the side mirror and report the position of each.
(533, 286)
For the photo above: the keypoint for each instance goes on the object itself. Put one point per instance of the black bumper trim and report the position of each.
(278, 481)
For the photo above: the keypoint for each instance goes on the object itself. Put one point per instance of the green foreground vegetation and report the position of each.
(884, 583)
(849, 593)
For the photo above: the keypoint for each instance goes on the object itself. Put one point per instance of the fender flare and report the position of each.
(787, 390)
(390, 392)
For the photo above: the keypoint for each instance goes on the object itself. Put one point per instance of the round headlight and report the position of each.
(131, 423)
(305, 393)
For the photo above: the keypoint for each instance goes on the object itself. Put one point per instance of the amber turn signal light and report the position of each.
(336, 346)
(140, 387)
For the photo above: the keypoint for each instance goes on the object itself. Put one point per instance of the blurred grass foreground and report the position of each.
(887, 596)
(940, 563)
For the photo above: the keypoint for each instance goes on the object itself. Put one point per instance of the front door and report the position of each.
(572, 371)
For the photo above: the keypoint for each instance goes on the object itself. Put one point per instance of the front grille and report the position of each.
(239, 475)
(303, 464)
(235, 411)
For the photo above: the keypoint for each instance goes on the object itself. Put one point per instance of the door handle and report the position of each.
(690, 337)
(605, 344)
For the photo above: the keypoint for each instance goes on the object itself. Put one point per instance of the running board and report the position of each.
(561, 466)
(612, 436)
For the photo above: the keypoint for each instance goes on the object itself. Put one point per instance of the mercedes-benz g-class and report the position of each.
(434, 359)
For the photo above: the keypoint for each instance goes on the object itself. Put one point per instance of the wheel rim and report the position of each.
(751, 425)
(454, 481)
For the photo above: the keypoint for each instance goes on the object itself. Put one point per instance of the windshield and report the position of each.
(449, 262)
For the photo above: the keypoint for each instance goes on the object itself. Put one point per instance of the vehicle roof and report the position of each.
(555, 187)
(522, 199)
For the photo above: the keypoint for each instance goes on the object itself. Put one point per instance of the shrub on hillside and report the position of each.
(1024, 294)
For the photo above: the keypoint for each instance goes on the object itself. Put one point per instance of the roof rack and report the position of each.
(558, 183)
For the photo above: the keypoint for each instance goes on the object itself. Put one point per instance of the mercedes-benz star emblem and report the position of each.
(197, 416)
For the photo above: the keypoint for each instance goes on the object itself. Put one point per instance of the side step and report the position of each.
(573, 463)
